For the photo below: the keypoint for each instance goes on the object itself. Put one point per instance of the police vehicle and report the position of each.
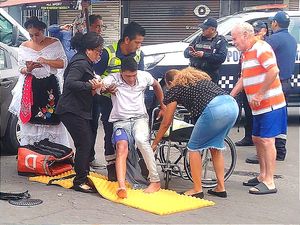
(162, 57)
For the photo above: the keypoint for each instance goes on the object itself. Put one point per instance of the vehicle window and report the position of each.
(2, 60)
(294, 28)
(6, 30)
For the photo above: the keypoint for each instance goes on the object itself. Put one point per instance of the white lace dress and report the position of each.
(30, 133)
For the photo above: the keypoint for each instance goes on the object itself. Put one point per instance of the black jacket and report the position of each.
(215, 52)
(77, 91)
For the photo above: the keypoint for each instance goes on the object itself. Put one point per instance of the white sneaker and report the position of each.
(96, 165)
(92, 169)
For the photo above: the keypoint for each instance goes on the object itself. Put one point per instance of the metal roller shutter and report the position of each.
(110, 12)
(294, 5)
(67, 16)
(168, 21)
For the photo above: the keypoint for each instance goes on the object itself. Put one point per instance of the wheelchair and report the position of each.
(172, 153)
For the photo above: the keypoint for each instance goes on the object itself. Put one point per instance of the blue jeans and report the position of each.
(213, 125)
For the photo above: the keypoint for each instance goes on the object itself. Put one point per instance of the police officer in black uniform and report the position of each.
(209, 50)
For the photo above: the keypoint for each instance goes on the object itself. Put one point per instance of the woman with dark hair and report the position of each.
(214, 113)
(75, 105)
(36, 94)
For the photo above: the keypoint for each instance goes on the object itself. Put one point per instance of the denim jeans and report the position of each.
(213, 125)
(138, 129)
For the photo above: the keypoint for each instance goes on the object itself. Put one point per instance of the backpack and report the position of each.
(44, 158)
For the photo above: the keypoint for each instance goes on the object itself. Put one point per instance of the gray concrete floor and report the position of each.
(62, 206)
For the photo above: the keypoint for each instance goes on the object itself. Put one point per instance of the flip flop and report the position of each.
(262, 189)
(252, 182)
(122, 193)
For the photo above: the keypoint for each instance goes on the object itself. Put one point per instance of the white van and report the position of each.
(12, 35)
(162, 57)
(11, 32)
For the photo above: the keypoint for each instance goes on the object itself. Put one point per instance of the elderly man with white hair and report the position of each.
(261, 83)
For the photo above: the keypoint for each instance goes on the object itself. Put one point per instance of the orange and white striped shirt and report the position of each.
(255, 63)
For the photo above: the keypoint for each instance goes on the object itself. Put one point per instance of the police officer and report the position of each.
(209, 50)
(110, 62)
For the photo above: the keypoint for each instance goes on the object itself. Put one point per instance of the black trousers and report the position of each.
(280, 143)
(81, 133)
(102, 105)
(248, 116)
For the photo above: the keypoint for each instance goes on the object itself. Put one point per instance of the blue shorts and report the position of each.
(119, 135)
(270, 124)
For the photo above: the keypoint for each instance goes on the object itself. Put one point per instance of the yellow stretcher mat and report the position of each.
(162, 202)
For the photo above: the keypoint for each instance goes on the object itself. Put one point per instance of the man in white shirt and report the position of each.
(130, 120)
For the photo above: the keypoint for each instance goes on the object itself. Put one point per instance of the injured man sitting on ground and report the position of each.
(131, 122)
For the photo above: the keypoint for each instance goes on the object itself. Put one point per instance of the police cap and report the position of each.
(209, 22)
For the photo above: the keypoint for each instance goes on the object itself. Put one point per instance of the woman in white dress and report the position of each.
(37, 91)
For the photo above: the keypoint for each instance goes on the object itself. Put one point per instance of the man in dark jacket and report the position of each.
(209, 50)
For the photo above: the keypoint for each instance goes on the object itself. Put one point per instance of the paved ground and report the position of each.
(70, 207)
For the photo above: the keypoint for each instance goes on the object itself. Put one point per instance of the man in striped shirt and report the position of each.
(261, 83)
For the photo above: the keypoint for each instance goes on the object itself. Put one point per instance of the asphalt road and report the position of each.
(62, 206)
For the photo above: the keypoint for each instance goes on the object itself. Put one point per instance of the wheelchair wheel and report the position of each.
(209, 179)
(176, 160)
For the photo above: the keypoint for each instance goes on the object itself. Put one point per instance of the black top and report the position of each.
(77, 92)
(194, 97)
(215, 52)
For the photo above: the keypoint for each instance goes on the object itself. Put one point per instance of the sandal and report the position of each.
(122, 193)
(262, 189)
(252, 182)
(84, 188)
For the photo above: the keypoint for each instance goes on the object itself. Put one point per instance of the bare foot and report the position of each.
(122, 193)
(153, 187)
(219, 189)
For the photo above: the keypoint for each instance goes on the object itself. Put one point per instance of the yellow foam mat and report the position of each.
(163, 202)
(66, 183)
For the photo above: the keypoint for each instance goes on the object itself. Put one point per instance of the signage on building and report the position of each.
(64, 5)
(201, 10)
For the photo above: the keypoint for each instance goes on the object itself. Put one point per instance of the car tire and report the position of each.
(11, 142)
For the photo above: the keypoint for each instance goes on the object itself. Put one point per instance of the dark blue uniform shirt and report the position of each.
(285, 49)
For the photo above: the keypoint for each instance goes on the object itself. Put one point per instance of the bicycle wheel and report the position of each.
(167, 178)
(176, 159)
(209, 179)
